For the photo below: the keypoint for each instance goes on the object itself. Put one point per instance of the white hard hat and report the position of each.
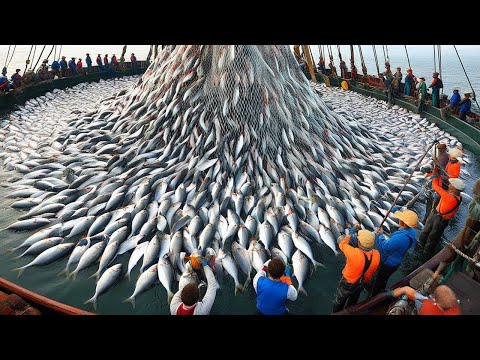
(457, 184)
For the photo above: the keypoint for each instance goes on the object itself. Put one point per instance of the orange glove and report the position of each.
(286, 280)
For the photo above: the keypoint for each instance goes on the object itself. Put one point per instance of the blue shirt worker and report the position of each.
(88, 61)
(63, 66)
(72, 66)
(275, 289)
(465, 105)
(393, 250)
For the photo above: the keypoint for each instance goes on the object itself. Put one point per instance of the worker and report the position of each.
(114, 61)
(55, 69)
(133, 61)
(422, 91)
(397, 81)
(387, 80)
(321, 66)
(443, 302)
(453, 104)
(362, 263)
(80, 66)
(99, 63)
(441, 162)
(439, 218)
(17, 79)
(354, 71)
(273, 291)
(42, 72)
(452, 169)
(185, 301)
(465, 105)
(63, 66)
(88, 61)
(467, 241)
(393, 250)
(436, 85)
(72, 66)
(4, 84)
(409, 82)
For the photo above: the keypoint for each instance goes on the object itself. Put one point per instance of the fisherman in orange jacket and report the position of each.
(362, 263)
(453, 166)
(443, 302)
(439, 218)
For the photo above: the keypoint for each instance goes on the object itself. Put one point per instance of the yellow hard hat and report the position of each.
(344, 85)
(409, 217)
(366, 239)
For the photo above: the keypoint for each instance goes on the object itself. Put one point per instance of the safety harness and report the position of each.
(365, 267)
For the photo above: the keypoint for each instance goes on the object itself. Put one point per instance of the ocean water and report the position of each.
(44, 280)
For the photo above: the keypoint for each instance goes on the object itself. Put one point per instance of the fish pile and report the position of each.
(224, 151)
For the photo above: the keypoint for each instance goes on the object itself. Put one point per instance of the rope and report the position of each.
(339, 53)
(59, 53)
(376, 59)
(50, 53)
(39, 57)
(388, 57)
(454, 248)
(364, 68)
(440, 63)
(33, 56)
(408, 59)
(404, 185)
(465, 71)
(8, 53)
(55, 53)
(11, 57)
(28, 59)
(384, 57)
(434, 60)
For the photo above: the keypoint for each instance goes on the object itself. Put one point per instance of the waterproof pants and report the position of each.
(347, 294)
(432, 232)
(383, 274)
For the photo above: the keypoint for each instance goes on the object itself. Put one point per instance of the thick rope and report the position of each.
(465, 71)
(408, 58)
(28, 59)
(39, 57)
(376, 58)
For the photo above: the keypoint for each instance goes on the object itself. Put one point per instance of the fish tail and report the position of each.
(169, 297)
(131, 300)
(18, 257)
(97, 275)
(20, 270)
(74, 274)
(13, 249)
(301, 289)
(127, 275)
(63, 272)
(316, 264)
(247, 282)
(238, 288)
(92, 300)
